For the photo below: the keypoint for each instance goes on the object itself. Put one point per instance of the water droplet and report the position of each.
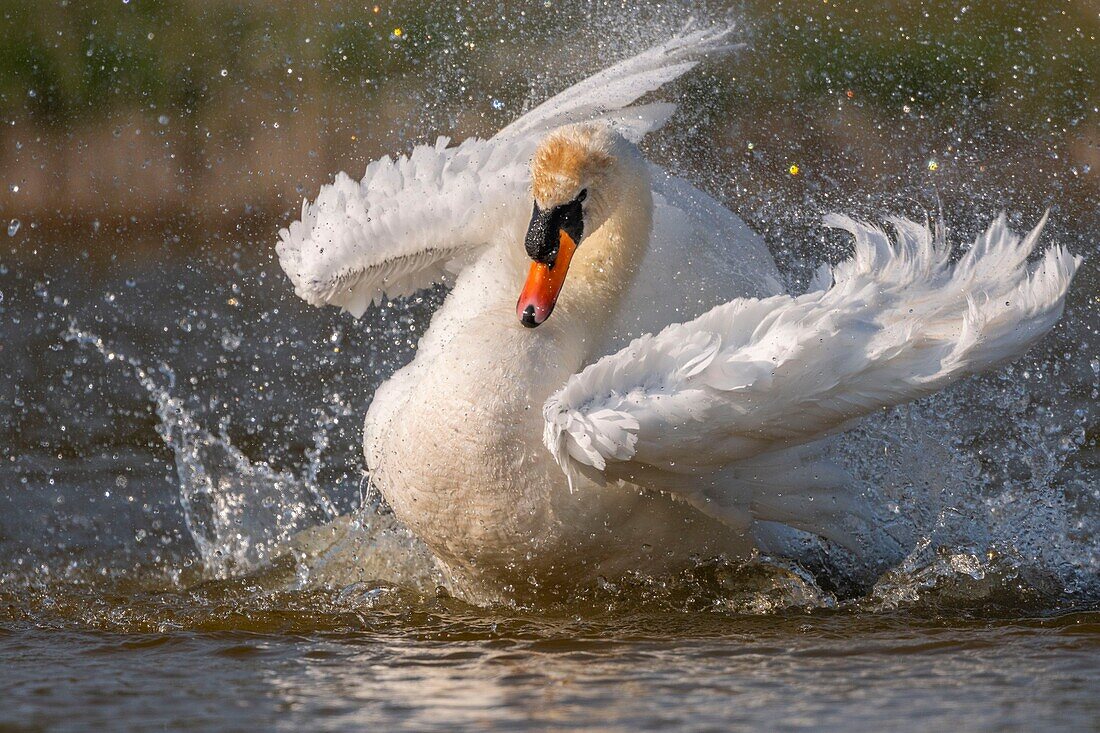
(163, 119)
(13, 227)
(497, 104)
(230, 341)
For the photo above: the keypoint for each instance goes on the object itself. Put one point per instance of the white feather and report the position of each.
(757, 375)
(620, 85)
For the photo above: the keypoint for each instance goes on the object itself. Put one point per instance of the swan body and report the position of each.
(673, 402)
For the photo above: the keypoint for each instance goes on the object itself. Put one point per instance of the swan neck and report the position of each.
(609, 259)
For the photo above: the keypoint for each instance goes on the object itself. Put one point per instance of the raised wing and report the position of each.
(754, 376)
(620, 85)
(419, 219)
(407, 224)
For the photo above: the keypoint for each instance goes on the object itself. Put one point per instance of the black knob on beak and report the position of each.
(528, 317)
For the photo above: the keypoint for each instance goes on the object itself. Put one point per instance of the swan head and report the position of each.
(577, 181)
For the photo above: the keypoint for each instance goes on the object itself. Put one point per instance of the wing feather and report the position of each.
(622, 84)
(754, 376)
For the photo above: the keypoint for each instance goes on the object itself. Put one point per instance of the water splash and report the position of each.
(965, 534)
(240, 514)
(989, 491)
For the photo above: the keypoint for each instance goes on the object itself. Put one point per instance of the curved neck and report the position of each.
(607, 261)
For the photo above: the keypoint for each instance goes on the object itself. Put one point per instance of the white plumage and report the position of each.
(608, 440)
(894, 323)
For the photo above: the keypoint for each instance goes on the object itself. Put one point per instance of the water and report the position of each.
(187, 539)
(310, 660)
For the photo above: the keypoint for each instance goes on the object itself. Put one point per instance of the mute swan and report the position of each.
(653, 396)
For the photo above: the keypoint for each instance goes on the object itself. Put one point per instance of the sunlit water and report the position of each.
(187, 538)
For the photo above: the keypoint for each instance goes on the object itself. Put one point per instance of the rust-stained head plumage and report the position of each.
(568, 160)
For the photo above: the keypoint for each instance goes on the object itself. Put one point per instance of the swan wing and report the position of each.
(759, 375)
(604, 94)
(408, 223)
(418, 219)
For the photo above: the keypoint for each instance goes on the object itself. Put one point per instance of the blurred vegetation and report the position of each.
(67, 63)
(209, 108)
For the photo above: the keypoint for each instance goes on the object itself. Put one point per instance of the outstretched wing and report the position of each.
(419, 219)
(753, 376)
(410, 222)
(620, 85)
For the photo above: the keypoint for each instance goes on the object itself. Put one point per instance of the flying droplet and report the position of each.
(13, 227)
(230, 341)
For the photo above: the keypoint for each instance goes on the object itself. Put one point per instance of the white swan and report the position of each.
(542, 458)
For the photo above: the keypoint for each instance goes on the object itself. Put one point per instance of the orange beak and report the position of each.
(540, 292)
